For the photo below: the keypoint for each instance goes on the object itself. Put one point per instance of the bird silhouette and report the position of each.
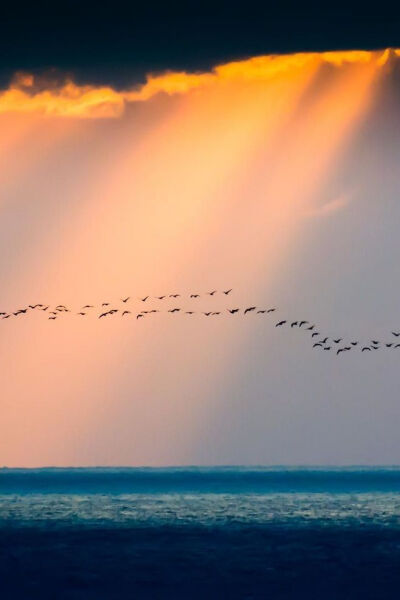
(280, 323)
(233, 310)
(317, 344)
(125, 299)
(174, 295)
(270, 310)
(354, 343)
(227, 292)
(189, 312)
(310, 328)
(126, 312)
(215, 313)
(6, 317)
(327, 347)
(160, 297)
(87, 306)
(195, 295)
(106, 304)
(395, 333)
(389, 345)
(340, 350)
(81, 313)
(212, 293)
(174, 310)
(374, 342)
(302, 323)
(261, 312)
(250, 309)
(338, 340)
(396, 346)
(314, 334)
(207, 314)
(144, 299)
(325, 340)
(294, 323)
(104, 314)
(52, 318)
(139, 315)
(366, 348)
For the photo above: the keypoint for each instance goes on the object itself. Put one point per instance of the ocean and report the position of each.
(225, 532)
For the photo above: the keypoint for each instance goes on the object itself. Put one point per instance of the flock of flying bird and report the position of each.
(318, 339)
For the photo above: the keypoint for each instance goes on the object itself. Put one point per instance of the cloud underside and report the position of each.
(68, 99)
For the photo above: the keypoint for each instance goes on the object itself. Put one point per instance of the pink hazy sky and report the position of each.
(274, 176)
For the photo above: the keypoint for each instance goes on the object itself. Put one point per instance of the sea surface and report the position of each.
(275, 533)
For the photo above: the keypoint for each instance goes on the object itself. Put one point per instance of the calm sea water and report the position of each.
(200, 532)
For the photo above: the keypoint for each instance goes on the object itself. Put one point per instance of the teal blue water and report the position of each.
(196, 532)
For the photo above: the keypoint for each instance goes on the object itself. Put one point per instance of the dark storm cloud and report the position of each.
(114, 44)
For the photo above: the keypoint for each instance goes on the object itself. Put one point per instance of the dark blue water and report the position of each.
(200, 532)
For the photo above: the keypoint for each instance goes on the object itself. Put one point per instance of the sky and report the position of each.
(271, 174)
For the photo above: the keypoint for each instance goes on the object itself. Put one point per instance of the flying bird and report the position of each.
(174, 310)
(212, 293)
(104, 314)
(310, 328)
(87, 306)
(366, 348)
(106, 304)
(314, 334)
(160, 297)
(327, 347)
(294, 323)
(139, 315)
(280, 323)
(338, 340)
(125, 299)
(250, 309)
(215, 313)
(144, 299)
(233, 310)
(81, 313)
(195, 295)
(189, 312)
(317, 344)
(325, 340)
(271, 310)
(227, 292)
(207, 314)
(174, 295)
(302, 323)
(389, 345)
(354, 343)
(126, 312)
(374, 342)
(52, 318)
(340, 350)
(261, 312)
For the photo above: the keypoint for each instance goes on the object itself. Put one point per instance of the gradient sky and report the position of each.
(274, 175)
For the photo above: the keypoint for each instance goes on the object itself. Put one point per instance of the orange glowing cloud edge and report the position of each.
(86, 101)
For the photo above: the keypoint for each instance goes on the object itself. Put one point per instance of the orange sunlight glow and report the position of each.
(214, 187)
